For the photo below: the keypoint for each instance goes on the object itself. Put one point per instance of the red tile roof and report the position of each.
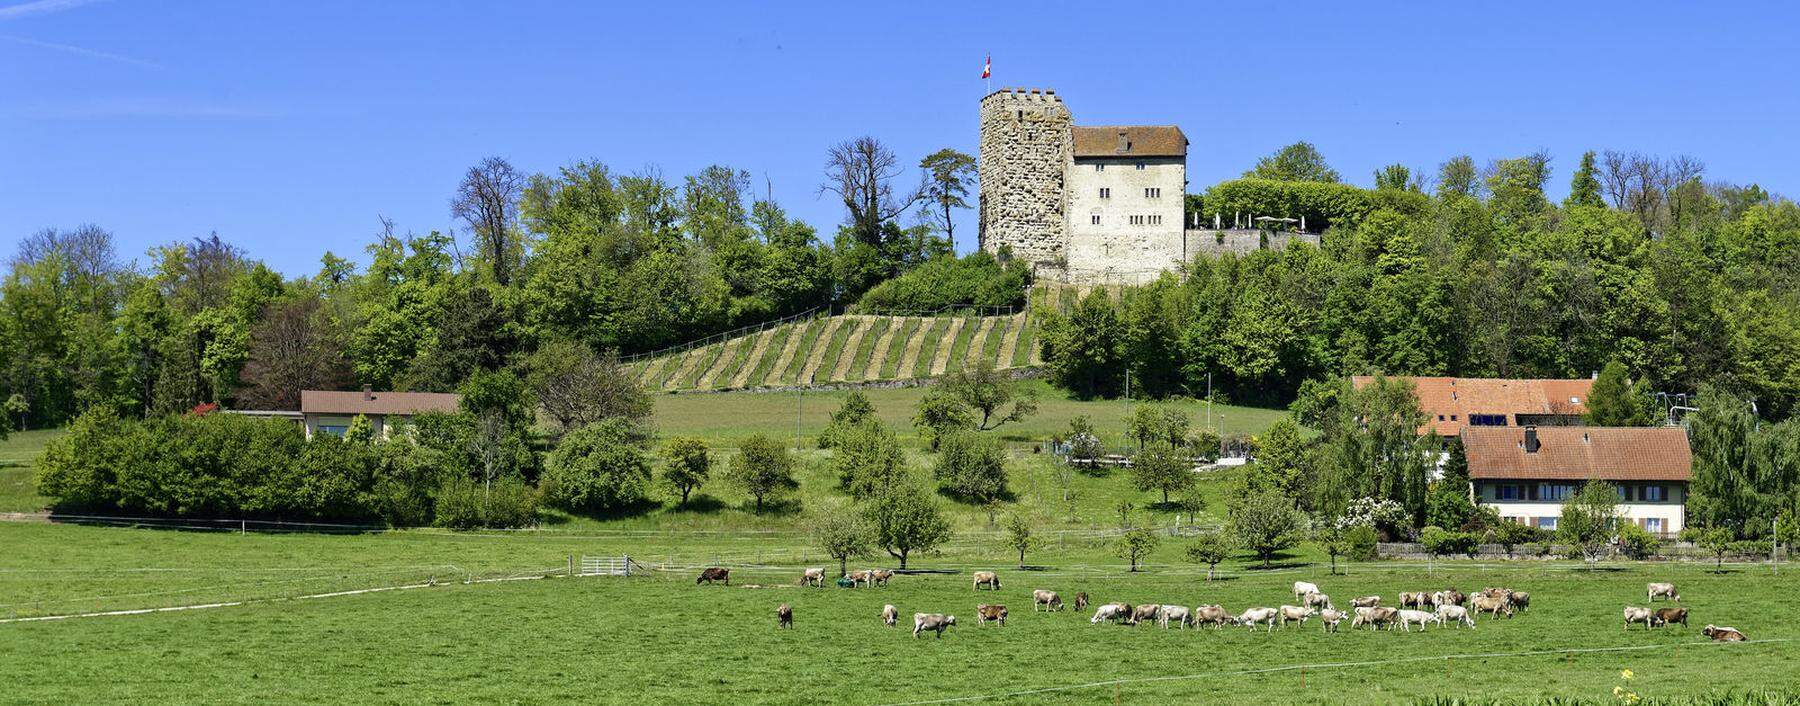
(1140, 141)
(1579, 453)
(358, 402)
(1456, 398)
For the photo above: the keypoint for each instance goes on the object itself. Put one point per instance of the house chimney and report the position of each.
(1531, 440)
(368, 393)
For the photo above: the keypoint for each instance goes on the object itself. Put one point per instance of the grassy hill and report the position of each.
(853, 348)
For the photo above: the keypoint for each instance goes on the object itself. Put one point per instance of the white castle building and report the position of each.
(1083, 204)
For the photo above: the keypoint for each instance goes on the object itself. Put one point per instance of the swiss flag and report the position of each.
(987, 69)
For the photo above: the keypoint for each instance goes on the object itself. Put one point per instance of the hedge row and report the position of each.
(1322, 204)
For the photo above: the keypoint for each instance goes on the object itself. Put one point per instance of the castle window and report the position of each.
(1099, 167)
(1156, 220)
(1154, 192)
(1105, 193)
(1140, 166)
(1096, 219)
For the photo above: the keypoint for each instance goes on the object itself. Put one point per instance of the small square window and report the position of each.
(1105, 193)
(1099, 167)
(1096, 219)
(1140, 166)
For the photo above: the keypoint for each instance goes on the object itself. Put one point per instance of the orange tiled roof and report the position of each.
(1580, 453)
(1456, 398)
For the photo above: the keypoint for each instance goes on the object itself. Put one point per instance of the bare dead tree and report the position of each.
(576, 387)
(861, 172)
(296, 347)
(488, 200)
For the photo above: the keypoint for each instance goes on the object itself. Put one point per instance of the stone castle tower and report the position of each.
(1027, 147)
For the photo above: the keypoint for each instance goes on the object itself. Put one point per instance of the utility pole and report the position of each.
(799, 406)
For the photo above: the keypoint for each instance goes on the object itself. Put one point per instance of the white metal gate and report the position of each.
(609, 566)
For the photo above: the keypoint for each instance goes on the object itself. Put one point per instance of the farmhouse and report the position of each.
(1526, 473)
(1451, 404)
(331, 412)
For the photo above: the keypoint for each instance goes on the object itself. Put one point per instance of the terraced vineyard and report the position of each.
(858, 348)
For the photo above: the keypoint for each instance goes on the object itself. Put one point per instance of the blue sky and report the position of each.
(289, 128)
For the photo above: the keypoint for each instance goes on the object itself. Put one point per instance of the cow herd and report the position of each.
(1420, 609)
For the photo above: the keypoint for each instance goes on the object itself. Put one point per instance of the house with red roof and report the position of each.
(1526, 473)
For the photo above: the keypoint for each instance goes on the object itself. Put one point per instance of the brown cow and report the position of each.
(988, 579)
(812, 577)
(858, 577)
(1722, 634)
(1213, 615)
(714, 574)
(880, 576)
(784, 614)
(1081, 601)
(1664, 616)
(1365, 602)
(1144, 612)
(1412, 599)
(985, 613)
(1048, 600)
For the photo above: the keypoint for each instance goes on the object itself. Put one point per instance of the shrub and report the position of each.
(686, 464)
(942, 414)
(1321, 204)
(597, 468)
(1637, 542)
(1364, 544)
(465, 503)
(763, 469)
(856, 412)
(972, 467)
(1441, 542)
(974, 279)
(868, 459)
(1448, 506)
(1510, 535)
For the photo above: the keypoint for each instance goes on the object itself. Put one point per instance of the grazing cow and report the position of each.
(987, 578)
(889, 614)
(1251, 617)
(1317, 600)
(1722, 634)
(812, 577)
(1414, 599)
(1409, 618)
(1179, 614)
(1301, 588)
(1375, 617)
(1491, 604)
(860, 576)
(1112, 611)
(1146, 612)
(1295, 613)
(714, 574)
(1454, 614)
(1450, 597)
(1329, 619)
(932, 621)
(1666, 590)
(880, 577)
(1048, 599)
(986, 612)
(1520, 599)
(1213, 615)
(1664, 616)
(1081, 601)
(1638, 615)
(1365, 602)
(785, 617)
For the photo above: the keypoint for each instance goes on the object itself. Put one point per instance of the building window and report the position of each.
(1440, 417)
(1654, 525)
(332, 429)
(1546, 523)
(1137, 220)
(1655, 494)
(1554, 491)
(1140, 166)
(1624, 493)
(1509, 492)
(1099, 167)
(1487, 420)
(1096, 219)
(1105, 193)
(1153, 192)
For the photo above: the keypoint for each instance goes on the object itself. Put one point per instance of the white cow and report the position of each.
(1455, 614)
(1665, 590)
(1638, 615)
(1301, 588)
(1111, 611)
(1177, 614)
(1317, 600)
(1329, 619)
(1408, 618)
(889, 614)
(1251, 617)
(1295, 613)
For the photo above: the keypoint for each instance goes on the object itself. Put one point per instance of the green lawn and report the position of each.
(661, 639)
(18, 491)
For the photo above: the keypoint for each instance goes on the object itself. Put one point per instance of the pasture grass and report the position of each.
(18, 464)
(662, 639)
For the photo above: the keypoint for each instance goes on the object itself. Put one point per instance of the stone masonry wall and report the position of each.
(1026, 147)
(1240, 241)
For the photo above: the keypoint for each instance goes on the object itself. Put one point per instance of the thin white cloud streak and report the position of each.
(40, 7)
(82, 51)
